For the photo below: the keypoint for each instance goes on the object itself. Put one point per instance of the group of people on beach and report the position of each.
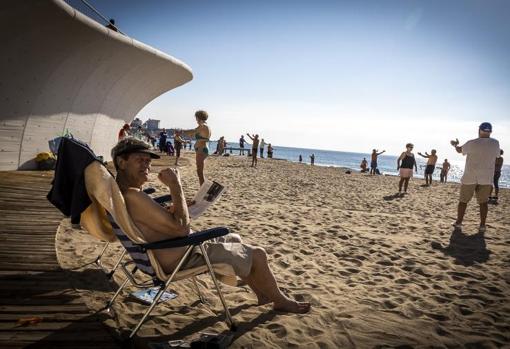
(484, 161)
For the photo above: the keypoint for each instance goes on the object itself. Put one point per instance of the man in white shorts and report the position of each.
(478, 172)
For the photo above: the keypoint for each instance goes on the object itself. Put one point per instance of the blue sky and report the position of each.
(340, 75)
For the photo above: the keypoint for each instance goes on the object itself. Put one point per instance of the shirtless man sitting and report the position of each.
(132, 160)
(431, 165)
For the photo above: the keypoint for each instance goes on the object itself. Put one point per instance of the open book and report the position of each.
(208, 194)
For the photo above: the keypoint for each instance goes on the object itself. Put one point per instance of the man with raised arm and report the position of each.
(481, 154)
(431, 165)
(132, 160)
(254, 149)
(373, 161)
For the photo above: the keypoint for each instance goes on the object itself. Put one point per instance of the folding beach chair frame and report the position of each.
(192, 240)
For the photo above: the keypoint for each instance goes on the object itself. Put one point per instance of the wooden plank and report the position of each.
(73, 335)
(50, 316)
(39, 300)
(31, 266)
(42, 285)
(36, 309)
(79, 325)
(28, 247)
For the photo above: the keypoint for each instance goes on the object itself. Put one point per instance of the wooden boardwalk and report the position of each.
(31, 281)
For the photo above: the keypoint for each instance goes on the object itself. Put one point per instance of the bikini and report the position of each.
(205, 149)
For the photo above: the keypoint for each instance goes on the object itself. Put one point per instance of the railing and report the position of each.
(107, 21)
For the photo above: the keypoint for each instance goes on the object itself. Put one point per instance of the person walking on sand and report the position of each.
(444, 171)
(481, 154)
(497, 174)
(300, 158)
(431, 165)
(373, 162)
(405, 164)
(312, 159)
(254, 149)
(178, 142)
(262, 145)
(241, 145)
(202, 134)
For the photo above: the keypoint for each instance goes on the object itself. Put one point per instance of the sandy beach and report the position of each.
(380, 271)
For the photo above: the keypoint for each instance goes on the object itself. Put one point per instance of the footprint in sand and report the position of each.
(279, 330)
(441, 331)
(297, 271)
(385, 263)
(389, 304)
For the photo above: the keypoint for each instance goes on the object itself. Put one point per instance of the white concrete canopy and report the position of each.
(60, 70)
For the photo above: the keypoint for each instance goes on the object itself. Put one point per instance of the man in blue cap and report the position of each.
(481, 154)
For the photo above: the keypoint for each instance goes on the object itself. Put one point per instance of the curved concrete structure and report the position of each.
(60, 70)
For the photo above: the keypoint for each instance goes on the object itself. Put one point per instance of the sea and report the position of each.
(387, 164)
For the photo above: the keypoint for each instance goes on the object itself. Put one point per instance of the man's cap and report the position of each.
(486, 127)
(132, 145)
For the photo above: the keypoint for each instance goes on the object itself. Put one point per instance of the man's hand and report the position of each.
(169, 176)
(455, 142)
(420, 154)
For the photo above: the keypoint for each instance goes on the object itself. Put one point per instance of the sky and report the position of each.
(337, 75)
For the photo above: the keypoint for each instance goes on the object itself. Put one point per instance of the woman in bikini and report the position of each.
(405, 164)
(202, 134)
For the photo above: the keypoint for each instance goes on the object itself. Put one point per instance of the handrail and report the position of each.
(100, 15)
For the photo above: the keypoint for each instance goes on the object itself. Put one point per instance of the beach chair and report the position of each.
(162, 200)
(108, 200)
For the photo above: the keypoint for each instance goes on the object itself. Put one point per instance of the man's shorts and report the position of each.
(429, 169)
(483, 191)
(373, 164)
(226, 249)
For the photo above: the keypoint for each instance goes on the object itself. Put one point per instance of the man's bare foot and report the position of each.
(291, 306)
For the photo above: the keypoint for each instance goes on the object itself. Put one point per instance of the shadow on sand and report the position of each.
(204, 323)
(392, 197)
(466, 249)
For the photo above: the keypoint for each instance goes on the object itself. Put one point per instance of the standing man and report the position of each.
(431, 165)
(241, 145)
(478, 173)
(254, 148)
(312, 159)
(373, 163)
(262, 144)
(162, 141)
(444, 171)
(300, 158)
